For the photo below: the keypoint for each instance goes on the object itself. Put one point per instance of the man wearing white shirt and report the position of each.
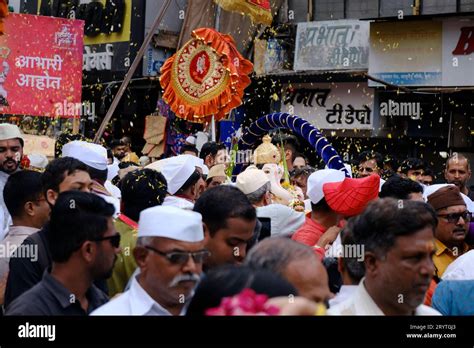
(170, 254)
(284, 221)
(398, 244)
(350, 266)
(11, 153)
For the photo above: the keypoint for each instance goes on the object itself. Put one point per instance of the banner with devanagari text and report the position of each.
(41, 66)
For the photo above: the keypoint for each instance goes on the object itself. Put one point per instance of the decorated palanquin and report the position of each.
(206, 77)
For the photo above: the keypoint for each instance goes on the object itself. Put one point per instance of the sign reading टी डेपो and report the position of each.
(40, 64)
(347, 105)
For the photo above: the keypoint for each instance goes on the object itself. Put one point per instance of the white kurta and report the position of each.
(345, 293)
(284, 220)
(134, 301)
(14, 238)
(5, 219)
(361, 303)
(178, 202)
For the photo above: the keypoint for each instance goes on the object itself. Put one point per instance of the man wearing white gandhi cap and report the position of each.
(94, 156)
(183, 174)
(11, 153)
(170, 254)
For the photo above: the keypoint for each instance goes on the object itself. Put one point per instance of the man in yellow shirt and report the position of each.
(141, 189)
(453, 225)
(130, 156)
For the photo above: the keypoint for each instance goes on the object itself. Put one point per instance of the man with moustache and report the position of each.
(170, 254)
(453, 225)
(398, 246)
(458, 172)
(86, 253)
(11, 153)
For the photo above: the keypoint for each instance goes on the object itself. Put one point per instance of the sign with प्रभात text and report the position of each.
(40, 64)
(332, 45)
(331, 106)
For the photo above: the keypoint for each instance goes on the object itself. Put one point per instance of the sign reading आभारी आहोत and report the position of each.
(40, 64)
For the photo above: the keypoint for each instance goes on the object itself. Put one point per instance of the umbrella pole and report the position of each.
(131, 71)
(213, 129)
(217, 27)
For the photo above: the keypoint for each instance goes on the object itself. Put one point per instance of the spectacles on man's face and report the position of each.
(454, 217)
(182, 257)
(114, 240)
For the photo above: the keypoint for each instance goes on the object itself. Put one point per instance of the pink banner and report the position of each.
(41, 66)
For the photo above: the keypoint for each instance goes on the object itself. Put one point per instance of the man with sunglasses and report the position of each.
(170, 254)
(62, 174)
(453, 225)
(86, 253)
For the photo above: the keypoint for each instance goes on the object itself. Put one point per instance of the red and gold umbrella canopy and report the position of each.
(258, 10)
(206, 77)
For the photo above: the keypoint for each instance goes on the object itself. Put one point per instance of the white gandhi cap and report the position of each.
(176, 170)
(9, 131)
(93, 155)
(171, 222)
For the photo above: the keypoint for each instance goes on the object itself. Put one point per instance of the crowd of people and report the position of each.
(99, 231)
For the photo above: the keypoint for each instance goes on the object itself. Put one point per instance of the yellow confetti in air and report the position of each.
(389, 135)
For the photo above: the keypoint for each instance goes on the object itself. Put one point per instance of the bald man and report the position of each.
(295, 262)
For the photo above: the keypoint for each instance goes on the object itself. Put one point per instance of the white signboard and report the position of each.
(332, 45)
(331, 106)
(458, 53)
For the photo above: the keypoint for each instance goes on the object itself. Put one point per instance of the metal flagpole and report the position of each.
(217, 27)
(131, 71)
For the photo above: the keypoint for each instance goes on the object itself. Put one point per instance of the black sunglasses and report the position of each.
(182, 257)
(454, 217)
(114, 240)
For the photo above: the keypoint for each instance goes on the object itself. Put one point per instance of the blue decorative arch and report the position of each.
(299, 126)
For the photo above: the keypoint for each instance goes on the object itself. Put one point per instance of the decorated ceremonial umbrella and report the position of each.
(206, 77)
(258, 10)
(299, 126)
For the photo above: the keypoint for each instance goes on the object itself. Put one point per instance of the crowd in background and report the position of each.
(102, 231)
